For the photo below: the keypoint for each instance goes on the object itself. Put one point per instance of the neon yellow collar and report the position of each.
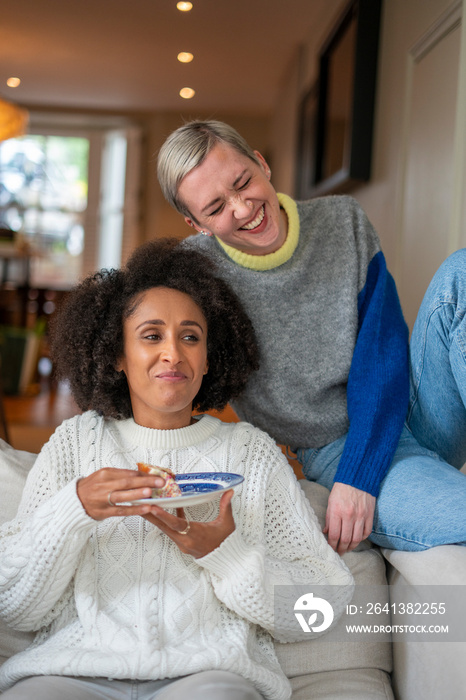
(280, 256)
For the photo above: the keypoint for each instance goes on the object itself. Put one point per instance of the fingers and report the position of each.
(168, 522)
(368, 526)
(195, 538)
(333, 527)
(349, 517)
(125, 511)
(119, 495)
(343, 536)
(101, 492)
(225, 503)
(225, 514)
(350, 536)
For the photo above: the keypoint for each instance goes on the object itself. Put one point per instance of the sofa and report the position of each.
(329, 667)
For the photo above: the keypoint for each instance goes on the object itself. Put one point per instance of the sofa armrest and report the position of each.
(428, 670)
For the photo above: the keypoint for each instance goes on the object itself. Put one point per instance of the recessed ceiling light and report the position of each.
(185, 57)
(13, 82)
(184, 6)
(187, 93)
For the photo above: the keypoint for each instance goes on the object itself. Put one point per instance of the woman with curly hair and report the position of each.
(126, 597)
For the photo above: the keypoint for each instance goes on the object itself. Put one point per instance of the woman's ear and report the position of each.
(190, 222)
(264, 164)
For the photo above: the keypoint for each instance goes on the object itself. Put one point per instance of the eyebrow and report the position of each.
(218, 199)
(160, 322)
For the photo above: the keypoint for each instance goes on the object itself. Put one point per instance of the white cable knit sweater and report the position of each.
(118, 599)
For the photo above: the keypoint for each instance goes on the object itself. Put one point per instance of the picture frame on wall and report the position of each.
(337, 114)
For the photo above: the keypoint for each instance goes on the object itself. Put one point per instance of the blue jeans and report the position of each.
(422, 499)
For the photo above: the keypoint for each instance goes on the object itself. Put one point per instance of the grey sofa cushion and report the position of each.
(14, 468)
(328, 653)
(352, 684)
(429, 669)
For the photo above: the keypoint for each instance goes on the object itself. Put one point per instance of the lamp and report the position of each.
(13, 120)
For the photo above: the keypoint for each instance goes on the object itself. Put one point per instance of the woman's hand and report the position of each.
(201, 538)
(99, 492)
(350, 514)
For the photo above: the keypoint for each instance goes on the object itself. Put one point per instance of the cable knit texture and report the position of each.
(118, 599)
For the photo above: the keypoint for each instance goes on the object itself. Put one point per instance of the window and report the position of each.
(43, 198)
(69, 195)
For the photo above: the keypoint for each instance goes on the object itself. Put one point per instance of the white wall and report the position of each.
(386, 197)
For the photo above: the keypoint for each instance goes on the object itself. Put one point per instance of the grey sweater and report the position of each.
(328, 316)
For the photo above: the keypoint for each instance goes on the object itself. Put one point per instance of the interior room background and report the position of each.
(415, 195)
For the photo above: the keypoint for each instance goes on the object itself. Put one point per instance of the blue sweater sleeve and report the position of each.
(378, 383)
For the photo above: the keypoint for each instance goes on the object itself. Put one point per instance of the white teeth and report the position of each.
(257, 220)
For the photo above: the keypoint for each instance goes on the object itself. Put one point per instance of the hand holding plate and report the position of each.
(101, 491)
(200, 538)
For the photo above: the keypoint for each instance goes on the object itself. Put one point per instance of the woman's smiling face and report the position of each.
(230, 196)
(165, 357)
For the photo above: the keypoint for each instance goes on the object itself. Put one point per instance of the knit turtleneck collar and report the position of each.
(280, 256)
(131, 432)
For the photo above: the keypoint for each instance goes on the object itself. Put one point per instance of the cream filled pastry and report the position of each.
(170, 489)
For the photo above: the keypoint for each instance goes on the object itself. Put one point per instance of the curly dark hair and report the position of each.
(87, 334)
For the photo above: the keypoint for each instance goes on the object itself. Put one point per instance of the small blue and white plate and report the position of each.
(200, 487)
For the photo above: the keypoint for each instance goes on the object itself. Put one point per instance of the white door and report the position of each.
(430, 201)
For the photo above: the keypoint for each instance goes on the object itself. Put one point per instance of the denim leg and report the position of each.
(320, 465)
(422, 500)
(437, 413)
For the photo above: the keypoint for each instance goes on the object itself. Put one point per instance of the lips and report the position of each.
(255, 222)
(172, 376)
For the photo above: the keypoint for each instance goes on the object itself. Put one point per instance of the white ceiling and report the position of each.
(121, 54)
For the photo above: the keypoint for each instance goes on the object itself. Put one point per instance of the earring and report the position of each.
(205, 233)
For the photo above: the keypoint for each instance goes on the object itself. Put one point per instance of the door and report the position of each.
(429, 202)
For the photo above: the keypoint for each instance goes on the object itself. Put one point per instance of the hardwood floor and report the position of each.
(47, 409)
(31, 420)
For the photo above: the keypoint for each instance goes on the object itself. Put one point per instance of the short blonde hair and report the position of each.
(186, 148)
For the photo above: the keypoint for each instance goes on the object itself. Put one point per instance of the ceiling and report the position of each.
(121, 54)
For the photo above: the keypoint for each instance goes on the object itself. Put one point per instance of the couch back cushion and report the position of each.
(14, 468)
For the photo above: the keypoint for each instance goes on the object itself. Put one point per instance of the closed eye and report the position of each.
(239, 189)
(216, 211)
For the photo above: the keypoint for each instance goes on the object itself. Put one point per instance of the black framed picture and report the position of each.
(337, 115)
